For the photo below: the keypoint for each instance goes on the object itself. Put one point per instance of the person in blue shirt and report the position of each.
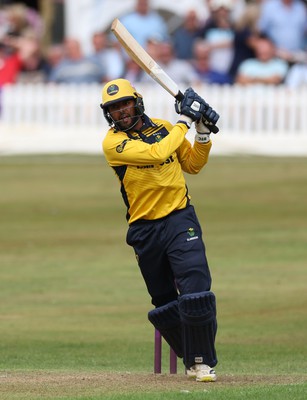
(185, 35)
(143, 22)
(285, 23)
(265, 68)
(75, 67)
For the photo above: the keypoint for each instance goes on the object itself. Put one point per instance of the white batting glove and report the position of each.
(203, 132)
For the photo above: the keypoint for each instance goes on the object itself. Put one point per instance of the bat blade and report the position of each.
(143, 59)
(146, 62)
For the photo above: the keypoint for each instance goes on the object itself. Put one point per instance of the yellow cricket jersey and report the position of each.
(149, 165)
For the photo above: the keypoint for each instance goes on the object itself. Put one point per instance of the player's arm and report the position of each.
(119, 150)
(122, 151)
(193, 158)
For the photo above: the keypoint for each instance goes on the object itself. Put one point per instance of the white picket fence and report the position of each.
(68, 118)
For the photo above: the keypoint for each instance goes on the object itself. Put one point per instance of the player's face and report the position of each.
(123, 113)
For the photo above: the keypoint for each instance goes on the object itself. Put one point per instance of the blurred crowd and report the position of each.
(240, 42)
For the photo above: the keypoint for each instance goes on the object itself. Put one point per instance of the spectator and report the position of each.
(133, 72)
(179, 70)
(10, 62)
(20, 58)
(75, 67)
(245, 34)
(143, 22)
(34, 64)
(237, 7)
(285, 23)
(54, 55)
(265, 68)
(201, 64)
(185, 35)
(20, 30)
(219, 34)
(297, 75)
(107, 55)
(18, 17)
(153, 46)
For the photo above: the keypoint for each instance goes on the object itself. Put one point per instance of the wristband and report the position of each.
(186, 123)
(184, 119)
(202, 137)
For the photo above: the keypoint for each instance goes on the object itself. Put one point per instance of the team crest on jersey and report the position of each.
(192, 235)
(112, 90)
(158, 138)
(120, 147)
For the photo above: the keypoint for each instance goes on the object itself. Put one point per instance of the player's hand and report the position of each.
(206, 125)
(209, 119)
(203, 132)
(191, 105)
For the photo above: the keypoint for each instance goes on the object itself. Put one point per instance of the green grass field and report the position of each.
(73, 306)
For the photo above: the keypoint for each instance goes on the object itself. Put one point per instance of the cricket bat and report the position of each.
(146, 62)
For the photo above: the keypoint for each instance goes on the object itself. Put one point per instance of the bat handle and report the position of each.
(214, 128)
(179, 96)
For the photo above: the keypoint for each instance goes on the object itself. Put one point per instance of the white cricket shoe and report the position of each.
(202, 373)
(191, 372)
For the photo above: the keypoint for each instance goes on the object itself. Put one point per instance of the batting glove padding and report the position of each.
(210, 118)
(192, 105)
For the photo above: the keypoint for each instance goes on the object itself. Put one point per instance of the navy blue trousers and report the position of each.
(171, 255)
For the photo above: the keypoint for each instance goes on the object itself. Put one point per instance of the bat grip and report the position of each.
(179, 96)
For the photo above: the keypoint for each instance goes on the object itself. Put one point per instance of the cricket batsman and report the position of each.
(149, 156)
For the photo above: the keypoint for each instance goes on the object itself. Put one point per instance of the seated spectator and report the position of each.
(75, 67)
(21, 59)
(54, 55)
(18, 17)
(133, 72)
(237, 7)
(20, 30)
(107, 55)
(180, 71)
(201, 64)
(265, 68)
(185, 35)
(218, 32)
(10, 62)
(285, 23)
(143, 22)
(245, 36)
(33, 62)
(297, 75)
(153, 46)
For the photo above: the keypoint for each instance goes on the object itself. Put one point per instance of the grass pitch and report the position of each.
(73, 305)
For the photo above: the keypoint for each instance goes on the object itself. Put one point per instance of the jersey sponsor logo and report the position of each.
(145, 166)
(191, 235)
(168, 160)
(120, 147)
